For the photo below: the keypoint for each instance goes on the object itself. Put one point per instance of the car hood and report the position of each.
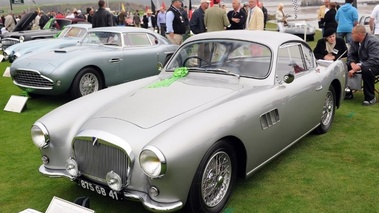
(148, 107)
(31, 33)
(56, 57)
(25, 21)
(41, 44)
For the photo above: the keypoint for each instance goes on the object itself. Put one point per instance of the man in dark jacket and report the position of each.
(102, 17)
(364, 56)
(237, 16)
(197, 20)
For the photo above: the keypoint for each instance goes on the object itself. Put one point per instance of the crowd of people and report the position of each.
(344, 37)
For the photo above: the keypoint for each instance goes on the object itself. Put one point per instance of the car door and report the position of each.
(141, 56)
(301, 100)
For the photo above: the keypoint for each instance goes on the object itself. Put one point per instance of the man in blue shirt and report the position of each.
(347, 18)
(161, 21)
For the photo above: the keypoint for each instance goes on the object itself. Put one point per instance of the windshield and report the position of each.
(72, 32)
(104, 38)
(224, 56)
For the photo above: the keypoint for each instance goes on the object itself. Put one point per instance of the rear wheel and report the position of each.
(87, 81)
(214, 180)
(328, 111)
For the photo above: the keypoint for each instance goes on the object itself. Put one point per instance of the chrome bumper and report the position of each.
(138, 196)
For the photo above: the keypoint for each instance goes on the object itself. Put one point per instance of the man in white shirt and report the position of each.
(374, 21)
(9, 22)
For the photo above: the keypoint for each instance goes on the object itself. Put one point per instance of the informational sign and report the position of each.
(58, 205)
(17, 1)
(16, 103)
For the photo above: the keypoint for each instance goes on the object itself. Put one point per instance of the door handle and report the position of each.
(115, 60)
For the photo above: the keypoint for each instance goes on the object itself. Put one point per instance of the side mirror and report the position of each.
(289, 78)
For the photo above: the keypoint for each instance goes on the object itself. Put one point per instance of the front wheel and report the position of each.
(328, 111)
(214, 180)
(87, 81)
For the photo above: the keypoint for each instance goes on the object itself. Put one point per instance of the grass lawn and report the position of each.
(334, 172)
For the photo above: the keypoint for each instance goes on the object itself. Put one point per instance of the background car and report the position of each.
(70, 36)
(365, 21)
(225, 105)
(299, 28)
(106, 56)
(52, 27)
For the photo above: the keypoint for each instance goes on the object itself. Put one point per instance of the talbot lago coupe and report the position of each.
(106, 56)
(222, 107)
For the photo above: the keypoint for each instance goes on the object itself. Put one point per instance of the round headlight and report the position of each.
(40, 135)
(153, 162)
(114, 181)
(21, 39)
(72, 167)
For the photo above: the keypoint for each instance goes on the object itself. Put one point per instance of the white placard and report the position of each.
(59, 205)
(7, 72)
(16, 103)
(1, 58)
(30, 211)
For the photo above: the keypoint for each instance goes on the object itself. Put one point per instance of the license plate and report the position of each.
(104, 191)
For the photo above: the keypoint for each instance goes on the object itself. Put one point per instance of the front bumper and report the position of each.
(142, 197)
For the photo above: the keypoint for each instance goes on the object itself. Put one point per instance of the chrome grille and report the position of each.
(8, 42)
(33, 79)
(95, 161)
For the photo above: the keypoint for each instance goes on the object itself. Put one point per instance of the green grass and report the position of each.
(334, 172)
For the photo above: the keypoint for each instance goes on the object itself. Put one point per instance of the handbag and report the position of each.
(355, 83)
(321, 24)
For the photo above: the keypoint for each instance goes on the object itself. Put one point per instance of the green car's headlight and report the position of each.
(40, 135)
(153, 162)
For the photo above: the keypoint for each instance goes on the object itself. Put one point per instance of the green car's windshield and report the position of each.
(103, 38)
(240, 58)
(72, 32)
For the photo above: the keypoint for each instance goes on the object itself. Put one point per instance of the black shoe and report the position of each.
(349, 96)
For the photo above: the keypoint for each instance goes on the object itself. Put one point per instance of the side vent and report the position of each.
(269, 119)
(60, 51)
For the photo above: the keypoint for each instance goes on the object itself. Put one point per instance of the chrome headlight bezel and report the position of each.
(21, 39)
(153, 162)
(40, 135)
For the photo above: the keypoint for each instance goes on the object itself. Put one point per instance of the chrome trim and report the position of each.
(152, 205)
(54, 173)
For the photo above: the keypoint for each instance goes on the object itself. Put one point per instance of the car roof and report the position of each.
(82, 25)
(120, 29)
(269, 38)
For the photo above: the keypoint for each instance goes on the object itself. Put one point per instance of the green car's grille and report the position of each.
(32, 79)
(96, 159)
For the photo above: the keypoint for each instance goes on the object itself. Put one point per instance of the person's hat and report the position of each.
(149, 11)
(329, 32)
(79, 11)
(205, 1)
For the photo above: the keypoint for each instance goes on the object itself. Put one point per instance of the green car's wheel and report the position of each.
(214, 180)
(87, 81)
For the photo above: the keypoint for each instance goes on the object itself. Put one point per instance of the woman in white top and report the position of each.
(281, 18)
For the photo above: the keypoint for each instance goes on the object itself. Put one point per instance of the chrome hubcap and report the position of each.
(328, 109)
(88, 84)
(216, 179)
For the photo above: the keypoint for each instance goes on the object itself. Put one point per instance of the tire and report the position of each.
(328, 111)
(87, 81)
(218, 180)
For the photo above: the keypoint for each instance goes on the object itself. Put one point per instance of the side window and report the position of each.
(153, 39)
(291, 59)
(139, 39)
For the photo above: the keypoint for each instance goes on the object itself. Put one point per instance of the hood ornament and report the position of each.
(94, 141)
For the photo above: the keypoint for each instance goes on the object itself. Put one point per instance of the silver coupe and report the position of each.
(105, 57)
(224, 105)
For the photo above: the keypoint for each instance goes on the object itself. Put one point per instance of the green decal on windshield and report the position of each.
(178, 73)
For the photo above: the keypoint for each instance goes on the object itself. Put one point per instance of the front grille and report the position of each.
(7, 42)
(95, 161)
(32, 79)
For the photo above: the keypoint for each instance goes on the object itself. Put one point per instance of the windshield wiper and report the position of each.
(219, 70)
